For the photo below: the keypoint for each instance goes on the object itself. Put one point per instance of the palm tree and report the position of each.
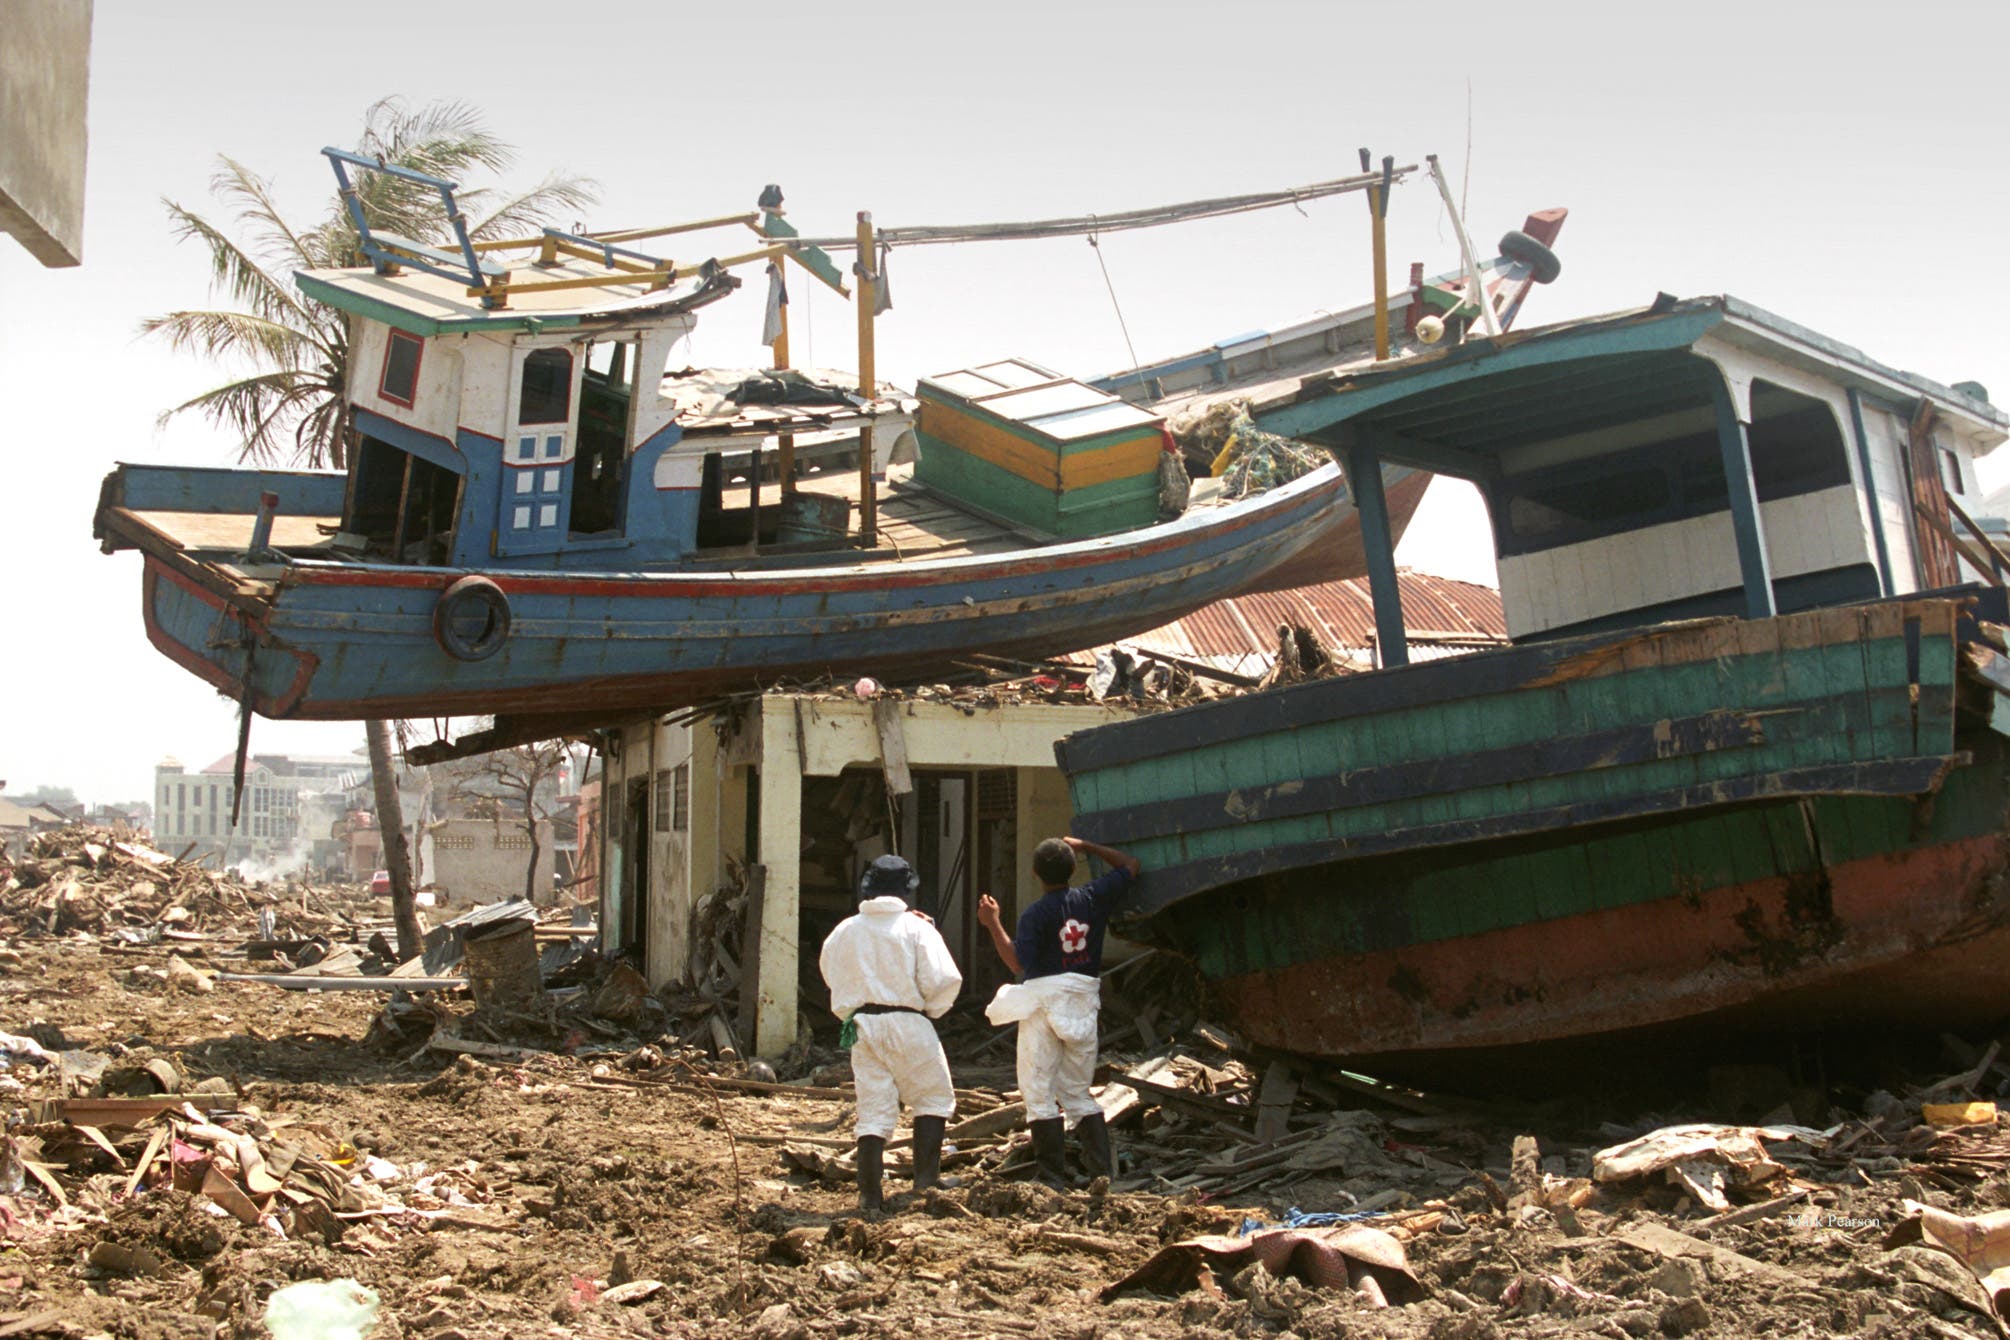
(292, 353)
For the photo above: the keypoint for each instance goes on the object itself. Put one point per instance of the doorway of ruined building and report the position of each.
(635, 813)
(956, 827)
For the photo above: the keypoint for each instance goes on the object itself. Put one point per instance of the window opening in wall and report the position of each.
(605, 393)
(662, 800)
(1950, 470)
(680, 799)
(400, 382)
(547, 387)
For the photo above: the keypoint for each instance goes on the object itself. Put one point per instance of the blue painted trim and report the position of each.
(1155, 371)
(1736, 449)
(1364, 478)
(662, 523)
(1870, 491)
(413, 254)
(1478, 359)
(182, 488)
(424, 445)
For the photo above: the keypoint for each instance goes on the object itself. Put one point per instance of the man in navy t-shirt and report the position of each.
(1060, 938)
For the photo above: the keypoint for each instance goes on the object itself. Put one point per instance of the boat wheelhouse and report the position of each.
(1747, 761)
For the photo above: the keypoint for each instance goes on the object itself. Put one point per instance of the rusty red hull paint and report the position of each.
(1922, 938)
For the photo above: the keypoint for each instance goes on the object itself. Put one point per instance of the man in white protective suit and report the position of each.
(889, 974)
(1058, 955)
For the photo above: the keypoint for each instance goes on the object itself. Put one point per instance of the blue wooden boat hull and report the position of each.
(339, 641)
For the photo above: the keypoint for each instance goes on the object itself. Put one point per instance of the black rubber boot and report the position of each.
(928, 1153)
(1050, 1152)
(871, 1166)
(1094, 1134)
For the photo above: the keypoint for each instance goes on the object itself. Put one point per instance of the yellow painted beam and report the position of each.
(697, 225)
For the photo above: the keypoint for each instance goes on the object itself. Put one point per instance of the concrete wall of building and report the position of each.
(484, 860)
(45, 58)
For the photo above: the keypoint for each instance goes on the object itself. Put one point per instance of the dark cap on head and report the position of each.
(1054, 861)
(889, 876)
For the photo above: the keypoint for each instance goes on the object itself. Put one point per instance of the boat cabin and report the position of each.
(1693, 458)
(551, 435)
(527, 417)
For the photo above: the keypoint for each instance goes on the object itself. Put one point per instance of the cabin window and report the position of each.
(1797, 445)
(400, 382)
(1570, 505)
(547, 387)
(605, 395)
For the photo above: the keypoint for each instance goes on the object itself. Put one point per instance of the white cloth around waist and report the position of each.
(1067, 1001)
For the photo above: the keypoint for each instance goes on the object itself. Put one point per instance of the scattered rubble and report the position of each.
(596, 1161)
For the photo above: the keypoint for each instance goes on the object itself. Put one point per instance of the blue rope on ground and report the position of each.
(1297, 1218)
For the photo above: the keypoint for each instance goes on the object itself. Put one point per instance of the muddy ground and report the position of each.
(576, 1186)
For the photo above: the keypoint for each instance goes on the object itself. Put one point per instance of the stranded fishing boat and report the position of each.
(542, 520)
(1748, 758)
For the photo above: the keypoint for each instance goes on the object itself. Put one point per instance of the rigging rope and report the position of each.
(1122, 324)
(1087, 224)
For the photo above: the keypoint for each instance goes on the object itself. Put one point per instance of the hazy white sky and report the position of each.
(1841, 165)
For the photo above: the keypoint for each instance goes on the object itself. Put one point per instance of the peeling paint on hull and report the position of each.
(1919, 937)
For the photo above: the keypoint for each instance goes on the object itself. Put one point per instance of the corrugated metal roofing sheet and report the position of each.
(1442, 615)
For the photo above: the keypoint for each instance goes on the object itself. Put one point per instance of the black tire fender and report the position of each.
(471, 621)
(1517, 245)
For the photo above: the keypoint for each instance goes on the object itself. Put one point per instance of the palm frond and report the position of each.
(236, 334)
(554, 197)
(252, 408)
(240, 275)
(272, 235)
(322, 435)
(440, 138)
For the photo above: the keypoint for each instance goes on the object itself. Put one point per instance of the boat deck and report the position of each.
(914, 523)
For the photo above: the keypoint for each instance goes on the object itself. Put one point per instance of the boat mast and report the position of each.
(868, 381)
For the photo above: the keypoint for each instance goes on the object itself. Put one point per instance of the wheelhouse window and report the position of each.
(547, 387)
(400, 382)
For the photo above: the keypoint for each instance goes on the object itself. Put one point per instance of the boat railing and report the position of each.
(386, 251)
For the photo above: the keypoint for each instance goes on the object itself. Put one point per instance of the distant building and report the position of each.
(286, 824)
(484, 860)
(19, 819)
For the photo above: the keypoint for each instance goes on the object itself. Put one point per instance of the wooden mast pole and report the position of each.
(1377, 213)
(785, 442)
(868, 381)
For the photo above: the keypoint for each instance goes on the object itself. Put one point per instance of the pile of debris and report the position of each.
(294, 1179)
(94, 881)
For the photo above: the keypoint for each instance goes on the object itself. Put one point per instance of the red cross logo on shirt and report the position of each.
(1074, 936)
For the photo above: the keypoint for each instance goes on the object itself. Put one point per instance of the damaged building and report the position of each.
(774, 803)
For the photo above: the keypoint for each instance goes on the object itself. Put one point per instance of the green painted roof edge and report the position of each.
(1324, 405)
(377, 309)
